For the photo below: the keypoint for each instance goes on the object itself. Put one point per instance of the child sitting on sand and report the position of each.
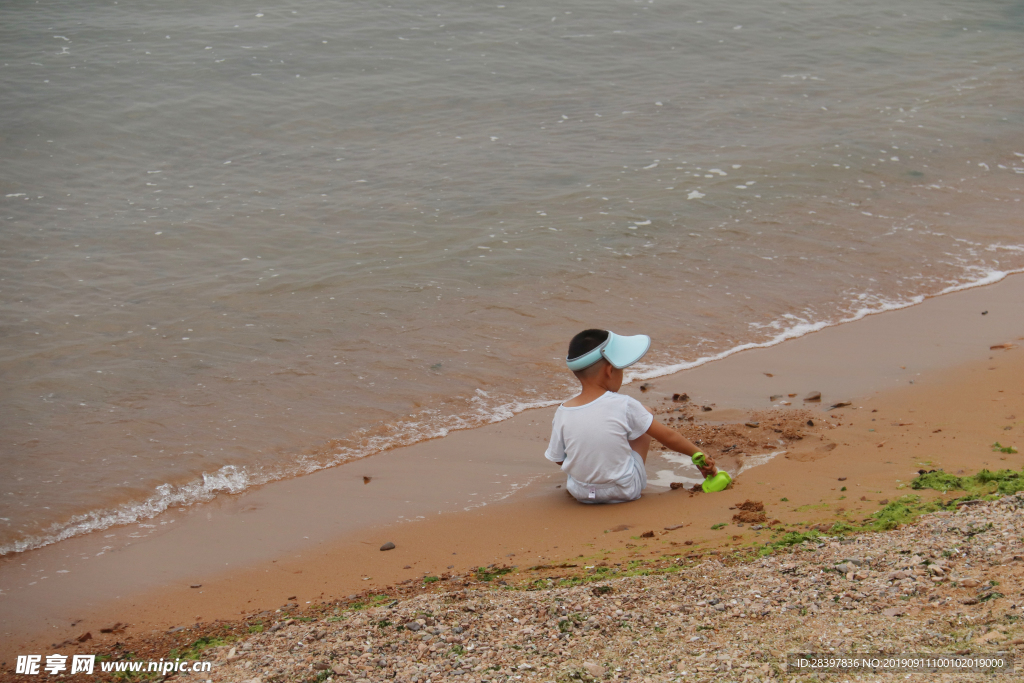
(601, 438)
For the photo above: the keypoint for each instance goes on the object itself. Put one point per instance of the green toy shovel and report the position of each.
(716, 482)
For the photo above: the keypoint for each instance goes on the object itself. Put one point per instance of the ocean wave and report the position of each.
(792, 326)
(232, 479)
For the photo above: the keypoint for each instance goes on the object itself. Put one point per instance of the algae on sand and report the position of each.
(1003, 482)
(901, 511)
(908, 508)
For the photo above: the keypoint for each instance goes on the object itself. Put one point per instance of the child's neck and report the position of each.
(588, 393)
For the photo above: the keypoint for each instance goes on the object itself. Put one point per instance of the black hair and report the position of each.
(585, 341)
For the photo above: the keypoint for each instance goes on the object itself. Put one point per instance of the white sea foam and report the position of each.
(236, 479)
(752, 461)
(665, 478)
(801, 327)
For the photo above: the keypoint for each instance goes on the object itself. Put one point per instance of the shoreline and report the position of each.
(335, 560)
(860, 593)
(227, 480)
(935, 587)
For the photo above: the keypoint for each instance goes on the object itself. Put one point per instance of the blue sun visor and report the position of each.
(621, 352)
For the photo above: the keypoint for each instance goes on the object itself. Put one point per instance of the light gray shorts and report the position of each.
(622, 491)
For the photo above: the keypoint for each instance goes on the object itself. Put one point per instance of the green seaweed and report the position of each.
(196, 648)
(985, 482)
(370, 600)
(790, 538)
(485, 574)
(900, 511)
(940, 481)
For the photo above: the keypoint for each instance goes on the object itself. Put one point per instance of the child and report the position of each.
(600, 438)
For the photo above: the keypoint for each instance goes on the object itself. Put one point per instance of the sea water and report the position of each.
(242, 242)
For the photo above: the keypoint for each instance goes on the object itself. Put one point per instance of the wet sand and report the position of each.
(922, 369)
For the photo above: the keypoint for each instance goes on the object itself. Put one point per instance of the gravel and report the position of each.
(949, 583)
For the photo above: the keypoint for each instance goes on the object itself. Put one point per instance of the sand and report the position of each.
(944, 587)
(926, 391)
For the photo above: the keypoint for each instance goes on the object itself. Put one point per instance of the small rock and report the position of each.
(413, 626)
(752, 424)
(894, 612)
(841, 404)
(813, 396)
(775, 397)
(366, 480)
(595, 670)
(388, 546)
(969, 601)
(647, 534)
(196, 585)
(84, 637)
(970, 583)
(749, 517)
(680, 398)
(677, 485)
(842, 478)
(989, 637)
(645, 387)
(706, 409)
(339, 669)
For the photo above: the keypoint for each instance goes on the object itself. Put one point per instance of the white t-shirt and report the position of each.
(592, 441)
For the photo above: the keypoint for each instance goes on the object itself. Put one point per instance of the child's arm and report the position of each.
(680, 444)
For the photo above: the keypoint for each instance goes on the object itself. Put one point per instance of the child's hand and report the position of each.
(709, 470)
